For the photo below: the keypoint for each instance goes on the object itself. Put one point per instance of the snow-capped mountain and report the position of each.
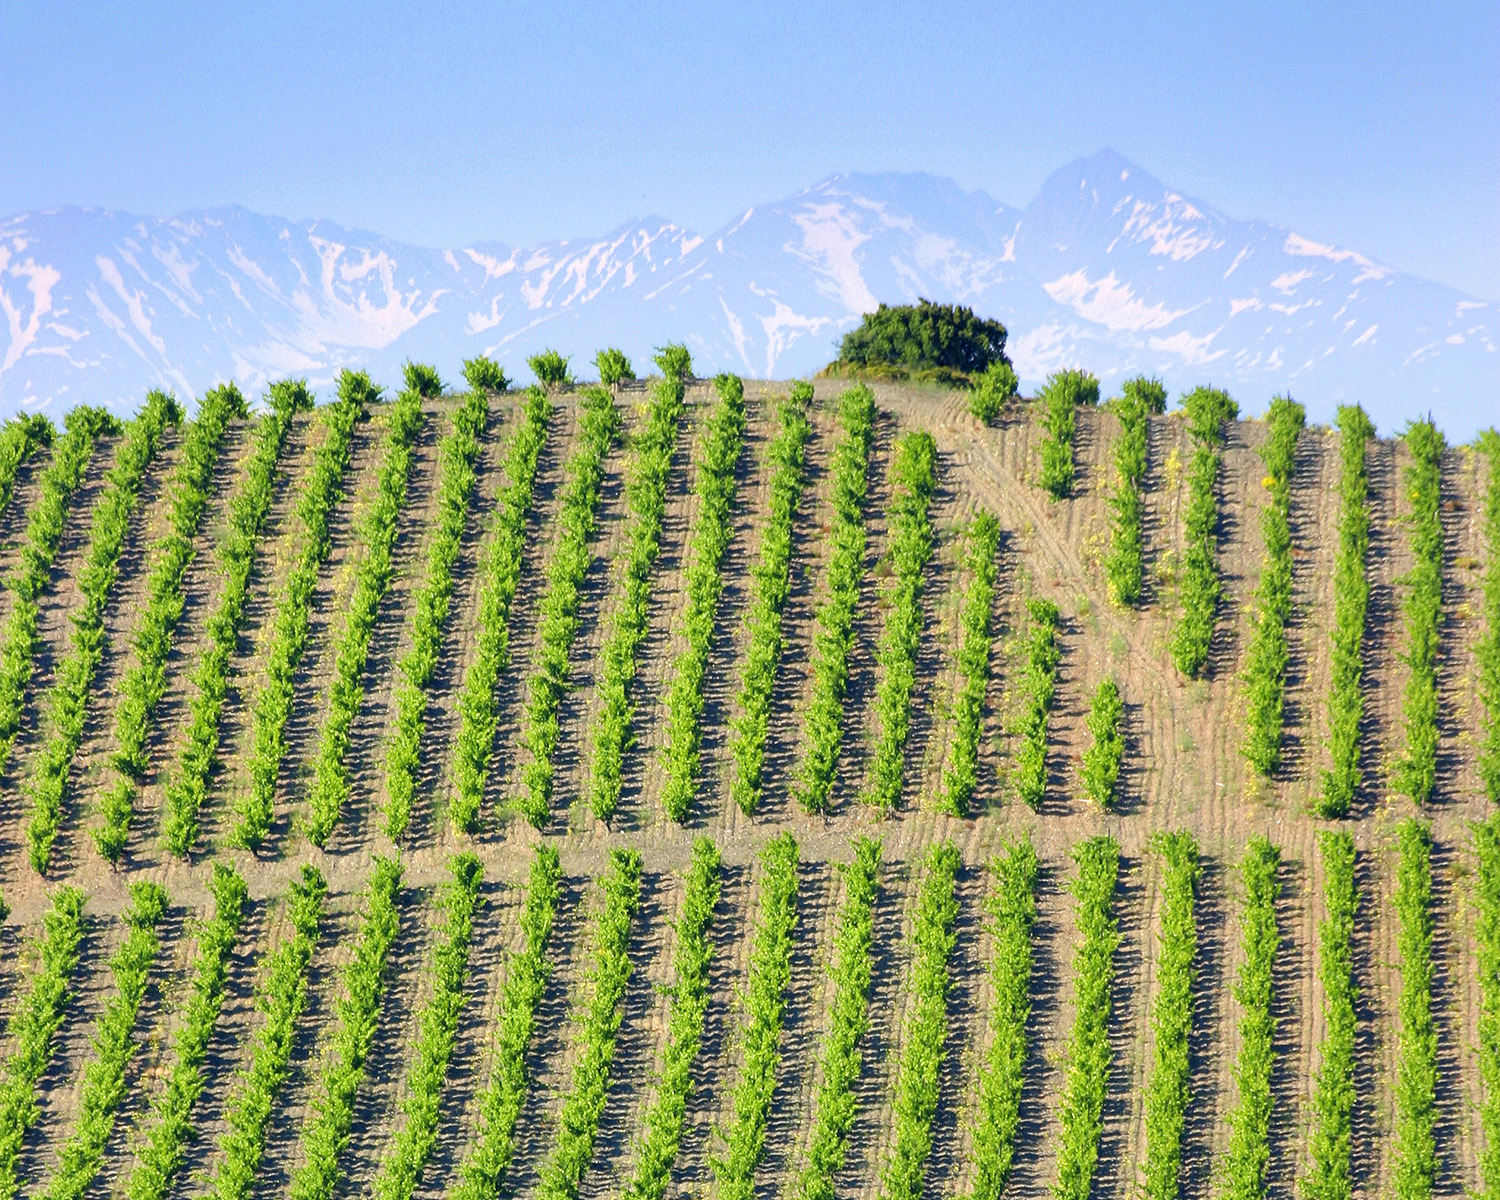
(1106, 268)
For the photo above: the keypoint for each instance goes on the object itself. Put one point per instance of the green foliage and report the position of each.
(32, 1029)
(1249, 1152)
(1415, 772)
(321, 492)
(1351, 599)
(145, 681)
(483, 1170)
(646, 491)
(500, 574)
(919, 1069)
(73, 679)
(1487, 651)
(599, 426)
(661, 1134)
(674, 361)
(1148, 393)
(21, 439)
(1266, 661)
(1002, 1071)
(485, 375)
(1200, 587)
(1125, 567)
(1330, 1173)
(763, 1004)
(770, 583)
(1081, 1115)
(103, 1085)
(280, 998)
(169, 1127)
(325, 1133)
(421, 379)
(613, 366)
(372, 579)
(850, 970)
(912, 539)
(1415, 1158)
(994, 388)
(187, 786)
(823, 722)
(1063, 392)
(961, 770)
(550, 368)
(409, 1150)
(718, 478)
(1167, 1094)
(578, 1121)
(1105, 754)
(1487, 968)
(923, 337)
(60, 482)
(1036, 689)
(458, 456)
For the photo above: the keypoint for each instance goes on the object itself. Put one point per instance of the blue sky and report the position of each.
(1372, 126)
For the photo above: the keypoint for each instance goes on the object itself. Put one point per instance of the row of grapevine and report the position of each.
(1104, 756)
(578, 1120)
(662, 1124)
(718, 478)
(646, 489)
(1266, 660)
(1036, 688)
(63, 476)
(1330, 1173)
(145, 681)
(912, 539)
(770, 584)
(1167, 1095)
(1060, 397)
(1487, 964)
(483, 1168)
(325, 1133)
(102, 1089)
(73, 680)
(1125, 565)
(163, 1146)
(1488, 649)
(1249, 1151)
(372, 579)
(1415, 771)
(22, 438)
(919, 1068)
(842, 1056)
(1012, 912)
(764, 1005)
(1200, 586)
(1081, 1112)
(1351, 601)
(500, 575)
(411, 1147)
(280, 999)
(975, 617)
(1415, 1158)
(458, 457)
(823, 722)
(322, 490)
(187, 785)
(599, 426)
(32, 1029)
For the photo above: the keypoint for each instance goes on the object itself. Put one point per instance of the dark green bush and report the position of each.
(922, 337)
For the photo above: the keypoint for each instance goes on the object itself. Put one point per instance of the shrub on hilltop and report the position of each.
(942, 342)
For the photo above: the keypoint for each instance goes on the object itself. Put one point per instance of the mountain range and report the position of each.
(1106, 268)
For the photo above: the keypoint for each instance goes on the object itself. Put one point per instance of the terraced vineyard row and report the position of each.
(762, 635)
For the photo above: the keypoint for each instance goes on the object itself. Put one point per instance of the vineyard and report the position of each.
(679, 787)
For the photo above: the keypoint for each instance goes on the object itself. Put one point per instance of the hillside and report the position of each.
(1183, 770)
(1106, 267)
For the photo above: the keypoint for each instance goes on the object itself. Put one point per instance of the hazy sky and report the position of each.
(1373, 126)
